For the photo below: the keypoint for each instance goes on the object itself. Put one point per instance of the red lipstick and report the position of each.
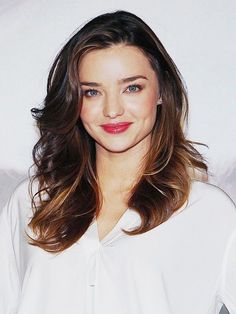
(115, 128)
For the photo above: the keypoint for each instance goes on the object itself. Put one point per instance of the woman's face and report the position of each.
(120, 95)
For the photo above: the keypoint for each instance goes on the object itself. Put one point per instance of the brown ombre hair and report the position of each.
(68, 197)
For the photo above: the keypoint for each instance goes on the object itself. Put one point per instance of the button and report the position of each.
(92, 265)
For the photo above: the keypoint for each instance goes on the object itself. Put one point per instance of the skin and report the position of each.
(111, 94)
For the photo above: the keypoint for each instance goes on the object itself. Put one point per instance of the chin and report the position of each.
(116, 148)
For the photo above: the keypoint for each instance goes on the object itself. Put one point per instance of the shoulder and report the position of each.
(21, 194)
(212, 203)
(209, 194)
(18, 208)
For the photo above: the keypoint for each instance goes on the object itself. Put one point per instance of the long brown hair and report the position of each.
(67, 197)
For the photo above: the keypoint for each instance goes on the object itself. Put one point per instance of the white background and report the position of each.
(199, 35)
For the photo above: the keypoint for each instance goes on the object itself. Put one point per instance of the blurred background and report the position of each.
(199, 36)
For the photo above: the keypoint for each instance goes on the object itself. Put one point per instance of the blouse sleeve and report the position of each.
(9, 278)
(228, 279)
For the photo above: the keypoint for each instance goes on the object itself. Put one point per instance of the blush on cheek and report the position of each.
(150, 112)
(85, 114)
(148, 109)
(90, 118)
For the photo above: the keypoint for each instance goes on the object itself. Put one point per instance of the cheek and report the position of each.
(146, 108)
(83, 114)
(87, 114)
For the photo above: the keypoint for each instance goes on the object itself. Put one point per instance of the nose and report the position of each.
(113, 106)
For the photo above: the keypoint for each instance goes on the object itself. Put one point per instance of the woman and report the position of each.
(116, 221)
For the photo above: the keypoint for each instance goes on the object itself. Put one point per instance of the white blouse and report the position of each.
(187, 265)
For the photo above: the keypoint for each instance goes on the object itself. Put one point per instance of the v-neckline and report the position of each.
(114, 229)
(128, 219)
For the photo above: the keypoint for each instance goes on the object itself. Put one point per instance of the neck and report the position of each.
(118, 172)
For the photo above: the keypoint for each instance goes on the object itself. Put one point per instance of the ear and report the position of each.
(159, 102)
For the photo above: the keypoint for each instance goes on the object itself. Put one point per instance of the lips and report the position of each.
(115, 128)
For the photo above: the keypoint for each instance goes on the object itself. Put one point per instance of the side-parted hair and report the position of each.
(68, 195)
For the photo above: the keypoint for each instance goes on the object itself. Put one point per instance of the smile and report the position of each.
(115, 128)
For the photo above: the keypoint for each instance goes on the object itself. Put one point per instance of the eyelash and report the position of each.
(137, 86)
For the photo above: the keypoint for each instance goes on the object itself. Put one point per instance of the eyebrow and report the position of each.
(124, 80)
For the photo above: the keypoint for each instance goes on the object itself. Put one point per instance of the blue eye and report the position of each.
(90, 92)
(133, 88)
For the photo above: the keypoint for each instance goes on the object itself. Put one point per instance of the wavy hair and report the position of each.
(68, 196)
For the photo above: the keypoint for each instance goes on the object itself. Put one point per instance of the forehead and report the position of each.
(118, 60)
